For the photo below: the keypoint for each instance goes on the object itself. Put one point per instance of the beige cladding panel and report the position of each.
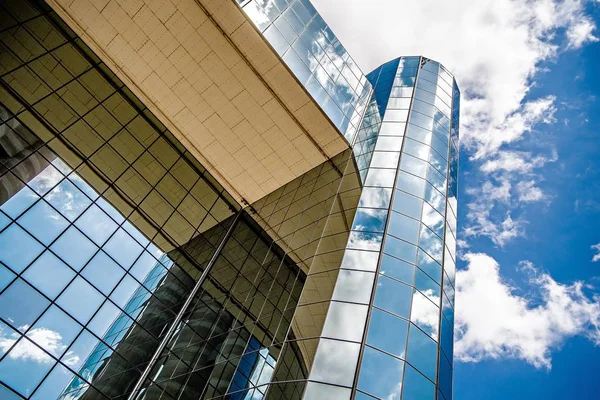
(211, 78)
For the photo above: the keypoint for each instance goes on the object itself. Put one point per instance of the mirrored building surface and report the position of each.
(210, 200)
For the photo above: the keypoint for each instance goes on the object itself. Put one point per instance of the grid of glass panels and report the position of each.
(338, 351)
(225, 342)
(230, 341)
(105, 220)
(333, 202)
(404, 353)
(317, 58)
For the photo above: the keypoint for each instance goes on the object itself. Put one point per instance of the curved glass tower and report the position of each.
(210, 200)
(389, 328)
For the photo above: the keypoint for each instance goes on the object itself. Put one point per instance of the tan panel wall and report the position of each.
(211, 78)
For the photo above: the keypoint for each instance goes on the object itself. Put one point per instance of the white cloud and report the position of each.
(27, 351)
(580, 33)
(499, 232)
(596, 256)
(516, 162)
(497, 193)
(529, 193)
(493, 322)
(485, 218)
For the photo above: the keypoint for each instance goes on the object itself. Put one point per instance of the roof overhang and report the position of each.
(212, 79)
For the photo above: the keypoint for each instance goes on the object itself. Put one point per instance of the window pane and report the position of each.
(398, 269)
(404, 227)
(416, 386)
(354, 286)
(17, 248)
(425, 314)
(345, 321)
(359, 259)
(318, 391)
(400, 249)
(81, 300)
(49, 275)
(380, 374)
(388, 333)
(21, 304)
(407, 204)
(393, 296)
(43, 222)
(422, 352)
(74, 248)
(335, 362)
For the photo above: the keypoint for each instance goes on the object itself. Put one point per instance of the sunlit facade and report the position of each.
(252, 217)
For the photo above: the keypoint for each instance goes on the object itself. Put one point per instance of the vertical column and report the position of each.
(379, 146)
(445, 369)
(401, 353)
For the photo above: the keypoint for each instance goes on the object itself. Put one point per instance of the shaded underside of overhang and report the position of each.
(205, 71)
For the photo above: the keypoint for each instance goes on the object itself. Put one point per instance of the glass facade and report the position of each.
(128, 272)
(315, 56)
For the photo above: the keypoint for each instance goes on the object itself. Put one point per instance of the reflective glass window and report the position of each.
(104, 272)
(431, 243)
(345, 321)
(375, 197)
(422, 352)
(414, 165)
(353, 286)
(398, 269)
(393, 296)
(380, 177)
(416, 386)
(385, 159)
(43, 222)
(335, 362)
(396, 115)
(389, 143)
(380, 374)
(6, 276)
(365, 241)
(433, 219)
(18, 203)
(425, 314)
(390, 128)
(407, 204)
(23, 375)
(447, 339)
(96, 224)
(429, 266)
(400, 249)
(318, 391)
(370, 220)
(403, 227)
(360, 259)
(445, 378)
(417, 149)
(21, 304)
(18, 248)
(426, 285)
(411, 184)
(81, 300)
(49, 274)
(387, 332)
(74, 248)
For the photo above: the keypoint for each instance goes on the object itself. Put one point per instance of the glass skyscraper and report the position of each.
(210, 200)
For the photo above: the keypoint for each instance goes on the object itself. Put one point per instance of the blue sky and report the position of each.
(528, 302)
